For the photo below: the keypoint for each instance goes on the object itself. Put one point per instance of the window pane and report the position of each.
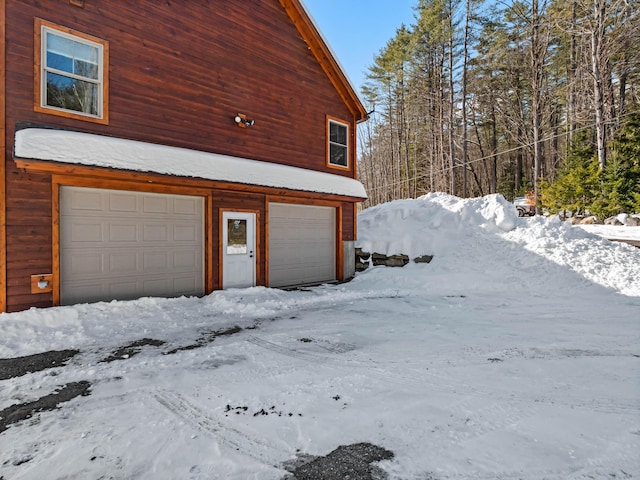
(338, 155)
(71, 94)
(236, 237)
(73, 57)
(337, 133)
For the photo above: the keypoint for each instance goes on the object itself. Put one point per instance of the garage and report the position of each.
(302, 244)
(122, 245)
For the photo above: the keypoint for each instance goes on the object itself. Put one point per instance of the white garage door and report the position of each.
(123, 245)
(302, 244)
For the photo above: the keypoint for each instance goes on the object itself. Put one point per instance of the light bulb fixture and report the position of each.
(41, 283)
(242, 121)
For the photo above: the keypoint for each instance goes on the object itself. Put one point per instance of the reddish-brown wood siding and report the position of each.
(179, 72)
(28, 206)
(3, 238)
(348, 217)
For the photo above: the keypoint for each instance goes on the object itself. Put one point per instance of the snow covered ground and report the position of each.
(514, 354)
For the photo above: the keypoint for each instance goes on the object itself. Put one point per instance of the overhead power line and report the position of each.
(487, 157)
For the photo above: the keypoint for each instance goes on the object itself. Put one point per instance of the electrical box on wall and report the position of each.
(42, 283)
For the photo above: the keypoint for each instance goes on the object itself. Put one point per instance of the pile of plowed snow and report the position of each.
(483, 231)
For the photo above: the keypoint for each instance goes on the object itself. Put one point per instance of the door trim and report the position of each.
(58, 181)
(258, 245)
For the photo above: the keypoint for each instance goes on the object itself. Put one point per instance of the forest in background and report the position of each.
(479, 97)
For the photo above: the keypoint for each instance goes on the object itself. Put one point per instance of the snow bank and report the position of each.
(611, 264)
(430, 225)
(178, 320)
(487, 232)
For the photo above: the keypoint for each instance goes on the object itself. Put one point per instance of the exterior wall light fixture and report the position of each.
(41, 283)
(242, 121)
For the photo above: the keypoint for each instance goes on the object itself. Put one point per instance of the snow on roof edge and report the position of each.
(102, 151)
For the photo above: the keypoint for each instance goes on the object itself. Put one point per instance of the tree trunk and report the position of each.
(465, 62)
(451, 119)
(597, 40)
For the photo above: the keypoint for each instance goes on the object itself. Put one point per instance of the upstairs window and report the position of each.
(337, 144)
(72, 78)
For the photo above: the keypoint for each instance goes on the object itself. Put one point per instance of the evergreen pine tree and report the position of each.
(620, 179)
(576, 183)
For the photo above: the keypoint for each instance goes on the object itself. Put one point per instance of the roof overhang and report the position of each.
(328, 60)
(77, 148)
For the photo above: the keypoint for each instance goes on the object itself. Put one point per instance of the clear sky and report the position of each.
(358, 29)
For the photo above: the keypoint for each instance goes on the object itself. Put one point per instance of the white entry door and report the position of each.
(238, 249)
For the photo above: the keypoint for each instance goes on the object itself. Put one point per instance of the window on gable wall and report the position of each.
(337, 144)
(72, 80)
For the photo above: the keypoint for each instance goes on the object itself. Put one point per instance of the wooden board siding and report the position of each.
(348, 219)
(28, 206)
(3, 237)
(179, 72)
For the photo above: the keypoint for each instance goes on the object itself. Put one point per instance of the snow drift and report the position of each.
(487, 232)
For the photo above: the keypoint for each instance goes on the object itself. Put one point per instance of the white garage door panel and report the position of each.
(125, 245)
(301, 244)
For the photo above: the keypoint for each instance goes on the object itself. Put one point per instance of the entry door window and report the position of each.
(236, 236)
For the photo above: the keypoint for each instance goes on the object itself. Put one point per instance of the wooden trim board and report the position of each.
(3, 136)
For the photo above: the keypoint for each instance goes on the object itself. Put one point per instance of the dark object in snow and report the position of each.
(364, 259)
(495, 360)
(389, 260)
(205, 339)
(613, 221)
(633, 221)
(423, 259)
(132, 349)
(16, 367)
(351, 462)
(23, 411)
(305, 340)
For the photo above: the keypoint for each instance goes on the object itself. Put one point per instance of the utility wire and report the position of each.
(487, 157)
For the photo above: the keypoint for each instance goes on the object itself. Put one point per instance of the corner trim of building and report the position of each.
(3, 136)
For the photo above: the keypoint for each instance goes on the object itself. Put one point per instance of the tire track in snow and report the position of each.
(443, 383)
(476, 420)
(420, 378)
(587, 473)
(231, 437)
(624, 455)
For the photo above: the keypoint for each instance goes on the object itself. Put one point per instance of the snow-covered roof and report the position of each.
(110, 152)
